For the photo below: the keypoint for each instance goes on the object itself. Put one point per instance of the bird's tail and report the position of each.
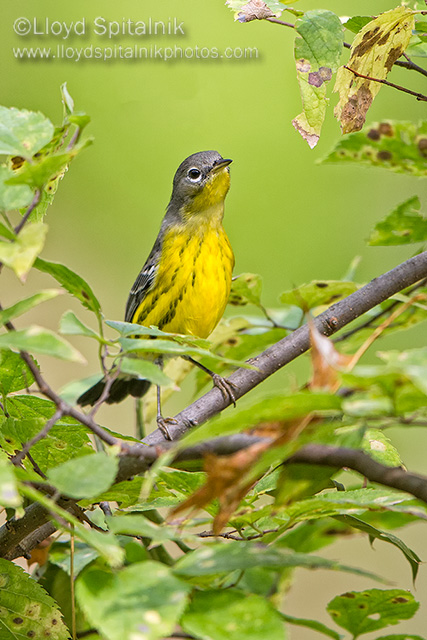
(119, 390)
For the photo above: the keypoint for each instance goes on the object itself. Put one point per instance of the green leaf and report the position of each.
(318, 49)
(138, 525)
(146, 370)
(71, 325)
(125, 493)
(375, 533)
(220, 615)
(59, 555)
(216, 558)
(397, 146)
(9, 496)
(6, 232)
(374, 51)
(412, 363)
(364, 611)
(38, 174)
(318, 293)
(23, 133)
(67, 100)
(73, 283)
(265, 409)
(379, 447)
(14, 373)
(20, 254)
(28, 303)
(13, 197)
(336, 503)
(246, 288)
(313, 535)
(67, 439)
(172, 348)
(46, 197)
(404, 225)
(39, 340)
(127, 329)
(85, 477)
(312, 624)
(27, 611)
(143, 600)
(417, 48)
(356, 23)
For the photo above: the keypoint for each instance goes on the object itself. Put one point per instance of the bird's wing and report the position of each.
(144, 283)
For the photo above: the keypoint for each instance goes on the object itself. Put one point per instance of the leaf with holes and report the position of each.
(318, 293)
(246, 288)
(27, 611)
(318, 49)
(364, 611)
(375, 49)
(14, 373)
(397, 146)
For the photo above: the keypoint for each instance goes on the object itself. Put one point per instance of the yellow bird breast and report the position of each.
(192, 284)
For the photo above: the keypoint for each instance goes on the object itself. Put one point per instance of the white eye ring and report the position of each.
(194, 174)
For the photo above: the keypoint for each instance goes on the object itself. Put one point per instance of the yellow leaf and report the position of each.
(374, 51)
(20, 254)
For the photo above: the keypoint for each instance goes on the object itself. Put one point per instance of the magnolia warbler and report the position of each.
(185, 283)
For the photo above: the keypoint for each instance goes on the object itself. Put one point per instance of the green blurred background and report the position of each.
(288, 218)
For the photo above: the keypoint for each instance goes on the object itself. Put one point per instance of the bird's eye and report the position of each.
(194, 174)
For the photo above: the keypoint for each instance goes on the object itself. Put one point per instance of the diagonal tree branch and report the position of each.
(280, 354)
(26, 533)
(20, 536)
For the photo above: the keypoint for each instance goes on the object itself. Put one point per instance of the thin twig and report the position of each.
(74, 139)
(28, 212)
(379, 330)
(418, 96)
(410, 64)
(72, 594)
(231, 536)
(65, 408)
(18, 458)
(284, 24)
(135, 459)
(36, 466)
(370, 322)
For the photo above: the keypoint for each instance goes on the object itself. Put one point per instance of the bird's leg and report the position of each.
(226, 387)
(162, 422)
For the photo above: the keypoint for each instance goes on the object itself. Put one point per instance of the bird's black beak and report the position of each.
(221, 164)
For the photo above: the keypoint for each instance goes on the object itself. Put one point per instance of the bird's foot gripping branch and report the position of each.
(261, 484)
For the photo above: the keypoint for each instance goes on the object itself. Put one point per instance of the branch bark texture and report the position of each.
(280, 354)
(22, 535)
